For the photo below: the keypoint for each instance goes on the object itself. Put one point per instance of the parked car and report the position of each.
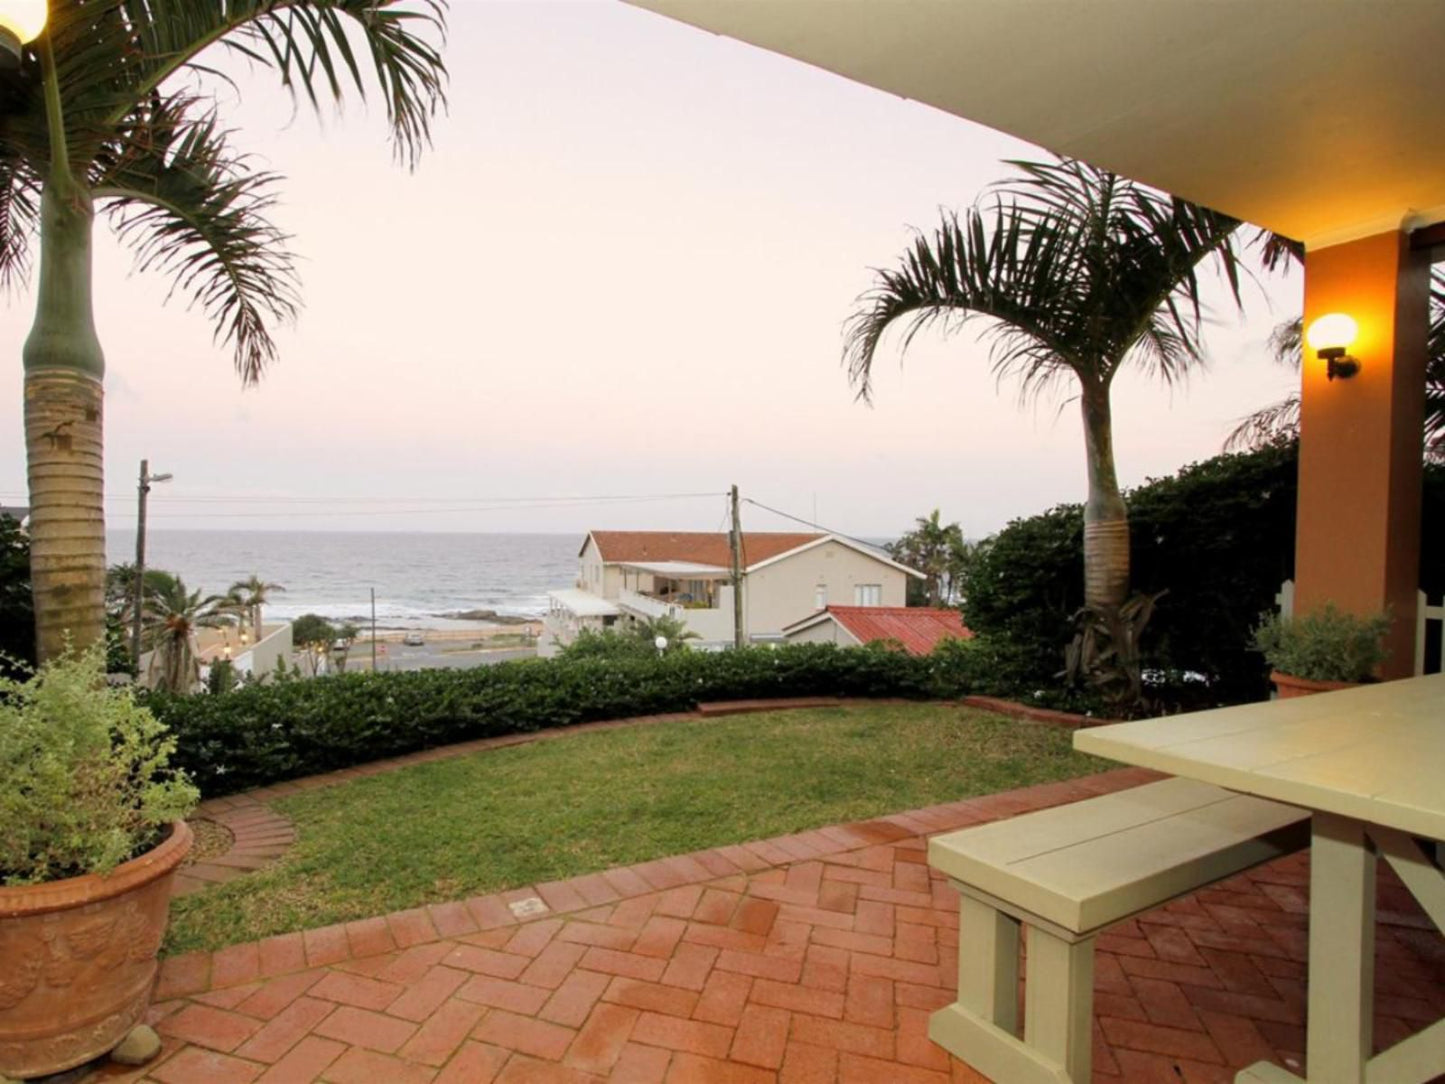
(414, 639)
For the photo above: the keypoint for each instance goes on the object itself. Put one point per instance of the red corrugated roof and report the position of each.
(699, 547)
(917, 628)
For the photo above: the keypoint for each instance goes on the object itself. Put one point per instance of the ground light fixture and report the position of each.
(661, 644)
(1331, 337)
(21, 22)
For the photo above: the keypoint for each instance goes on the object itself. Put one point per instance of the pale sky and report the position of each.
(623, 269)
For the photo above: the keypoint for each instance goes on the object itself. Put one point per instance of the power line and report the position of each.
(336, 512)
(414, 499)
(810, 523)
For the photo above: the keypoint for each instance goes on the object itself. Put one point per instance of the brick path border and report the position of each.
(262, 835)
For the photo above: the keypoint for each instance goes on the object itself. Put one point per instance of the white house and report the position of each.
(638, 575)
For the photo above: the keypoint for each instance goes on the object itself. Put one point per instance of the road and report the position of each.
(431, 656)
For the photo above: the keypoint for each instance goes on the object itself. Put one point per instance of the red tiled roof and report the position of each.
(917, 628)
(699, 547)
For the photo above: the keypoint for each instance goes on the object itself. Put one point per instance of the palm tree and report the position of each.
(931, 548)
(1079, 273)
(249, 596)
(1280, 421)
(172, 615)
(106, 114)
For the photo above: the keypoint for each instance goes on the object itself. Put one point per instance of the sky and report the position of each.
(622, 270)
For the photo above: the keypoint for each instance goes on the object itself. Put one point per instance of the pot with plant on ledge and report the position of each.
(1321, 651)
(91, 831)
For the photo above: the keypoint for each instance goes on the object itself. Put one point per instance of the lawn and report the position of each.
(588, 801)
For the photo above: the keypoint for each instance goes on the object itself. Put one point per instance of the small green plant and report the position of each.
(87, 782)
(1327, 645)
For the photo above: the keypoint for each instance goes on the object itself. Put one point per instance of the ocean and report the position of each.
(419, 578)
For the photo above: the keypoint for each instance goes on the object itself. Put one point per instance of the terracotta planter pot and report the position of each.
(78, 959)
(1288, 686)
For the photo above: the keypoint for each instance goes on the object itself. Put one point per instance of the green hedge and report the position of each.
(268, 733)
(1219, 536)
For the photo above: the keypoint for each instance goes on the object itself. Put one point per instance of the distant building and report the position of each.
(918, 629)
(639, 575)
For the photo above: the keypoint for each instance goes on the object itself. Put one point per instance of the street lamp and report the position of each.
(21, 22)
(147, 479)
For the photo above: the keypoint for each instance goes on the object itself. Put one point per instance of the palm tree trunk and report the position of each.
(1106, 519)
(64, 440)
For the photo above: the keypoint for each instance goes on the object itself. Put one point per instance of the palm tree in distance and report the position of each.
(171, 615)
(248, 596)
(935, 549)
(1079, 273)
(106, 113)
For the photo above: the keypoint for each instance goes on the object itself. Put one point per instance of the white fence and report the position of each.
(1424, 613)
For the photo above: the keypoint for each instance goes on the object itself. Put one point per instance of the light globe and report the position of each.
(21, 21)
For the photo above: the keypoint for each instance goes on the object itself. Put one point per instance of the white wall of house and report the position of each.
(824, 632)
(261, 659)
(601, 579)
(786, 590)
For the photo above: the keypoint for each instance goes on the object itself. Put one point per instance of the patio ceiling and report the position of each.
(1319, 119)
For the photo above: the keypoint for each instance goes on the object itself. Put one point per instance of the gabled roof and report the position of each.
(918, 628)
(711, 548)
(696, 547)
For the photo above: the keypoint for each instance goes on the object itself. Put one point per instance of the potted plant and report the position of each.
(91, 830)
(1325, 650)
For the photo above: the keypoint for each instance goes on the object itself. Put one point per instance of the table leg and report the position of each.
(1342, 951)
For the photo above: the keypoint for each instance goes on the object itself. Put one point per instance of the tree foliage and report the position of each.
(17, 612)
(941, 553)
(1218, 536)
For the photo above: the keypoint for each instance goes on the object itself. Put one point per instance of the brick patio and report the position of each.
(814, 957)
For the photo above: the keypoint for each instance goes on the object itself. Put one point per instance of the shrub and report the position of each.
(1327, 645)
(263, 734)
(1219, 536)
(87, 782)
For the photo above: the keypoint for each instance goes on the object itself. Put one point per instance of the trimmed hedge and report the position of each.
(264, 734)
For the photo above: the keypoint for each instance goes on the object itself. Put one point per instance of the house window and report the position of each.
(868, 594)
(820, 597)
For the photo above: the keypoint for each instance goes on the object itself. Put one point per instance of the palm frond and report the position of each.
(1276, 250)
(1077, 270)
(1274, 424)
(309, 42)
(192, 209)
(1286, 342)
(19, 219)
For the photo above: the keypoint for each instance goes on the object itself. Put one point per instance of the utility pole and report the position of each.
(138, 592)
(735, 537)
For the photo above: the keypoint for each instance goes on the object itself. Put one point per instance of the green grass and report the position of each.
(589, 801)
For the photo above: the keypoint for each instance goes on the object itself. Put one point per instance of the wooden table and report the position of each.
(1370, 765)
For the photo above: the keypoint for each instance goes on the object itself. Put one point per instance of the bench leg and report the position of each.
(1059, 1002)
(988, 963)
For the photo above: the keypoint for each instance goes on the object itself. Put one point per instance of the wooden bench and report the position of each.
(1067, 873)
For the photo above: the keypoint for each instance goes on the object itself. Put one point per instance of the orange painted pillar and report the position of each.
(1357, 539)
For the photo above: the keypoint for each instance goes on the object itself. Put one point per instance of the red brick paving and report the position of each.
(811, 958)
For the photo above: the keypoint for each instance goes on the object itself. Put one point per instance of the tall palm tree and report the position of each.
(106, 113)
(1079, 273)
(171, 615)
(248, 597)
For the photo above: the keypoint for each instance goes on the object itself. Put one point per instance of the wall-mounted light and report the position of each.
(21, 22)
(1331, 337)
